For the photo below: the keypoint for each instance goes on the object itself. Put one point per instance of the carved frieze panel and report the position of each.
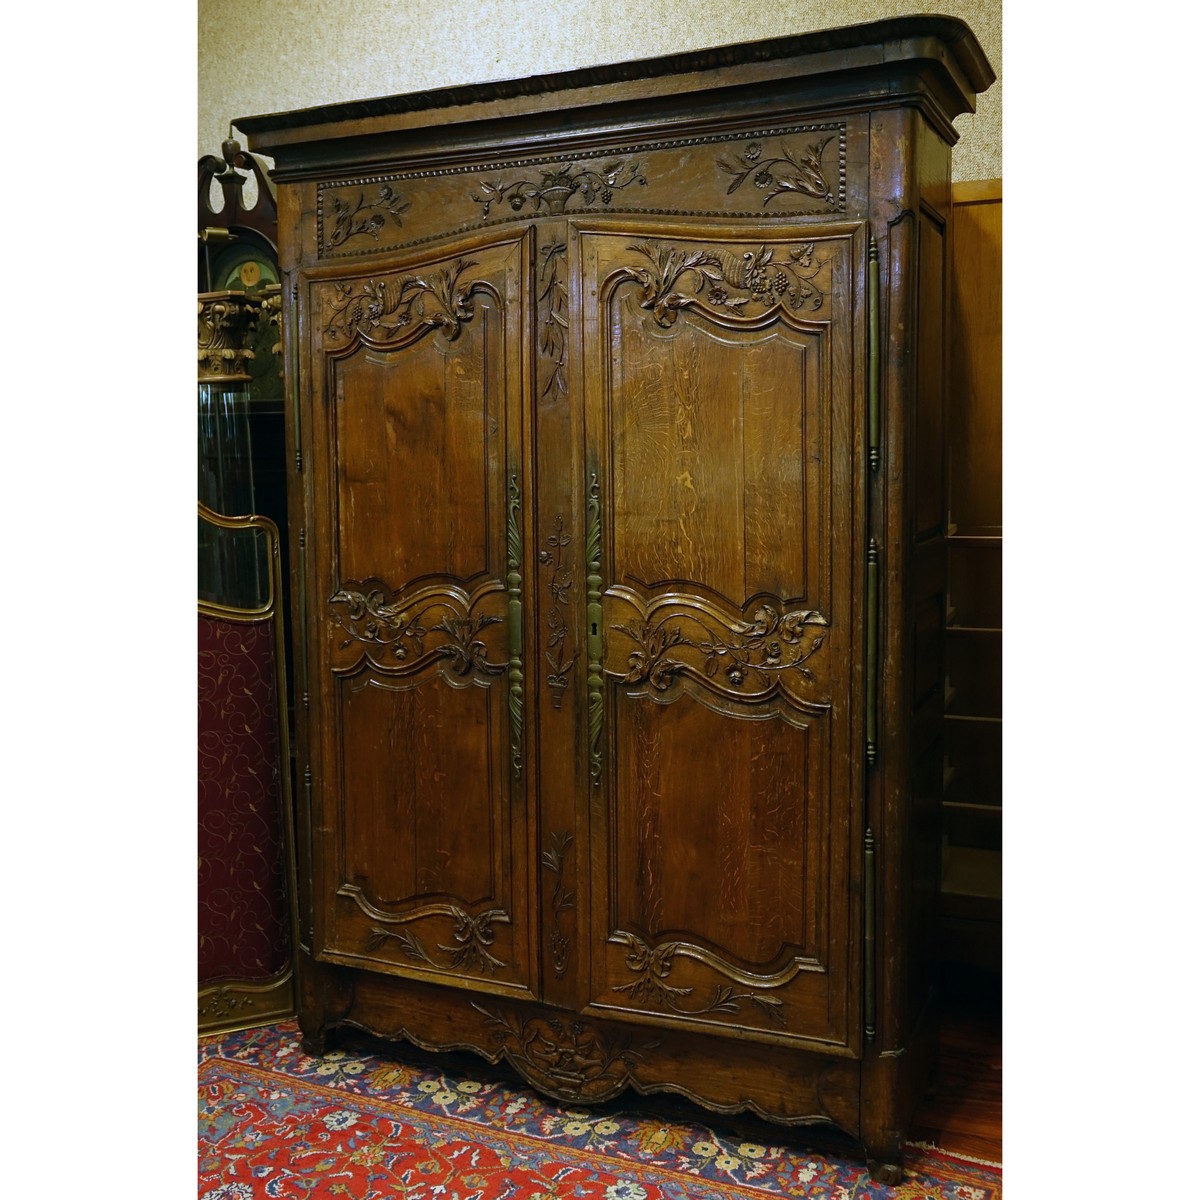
(794, 171)
(347, 216)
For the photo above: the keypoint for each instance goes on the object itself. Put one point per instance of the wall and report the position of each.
(257, 57)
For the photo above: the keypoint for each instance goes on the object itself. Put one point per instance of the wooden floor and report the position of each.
(964, 1114)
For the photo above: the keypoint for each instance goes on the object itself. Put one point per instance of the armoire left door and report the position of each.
(413, 567)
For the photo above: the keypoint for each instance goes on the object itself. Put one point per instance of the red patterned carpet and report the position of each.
(276, 1123)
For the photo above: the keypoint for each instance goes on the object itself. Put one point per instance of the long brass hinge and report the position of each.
(873, 355)
(294, 357)
(869, 936)
(302, 571)
(308, 846)
(872, 652)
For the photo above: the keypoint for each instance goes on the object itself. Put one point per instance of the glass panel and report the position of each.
(226, 473)
(234, 567)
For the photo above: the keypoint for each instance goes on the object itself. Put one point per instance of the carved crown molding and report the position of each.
(913, 33)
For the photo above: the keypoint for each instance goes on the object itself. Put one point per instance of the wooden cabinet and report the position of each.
(616, 404)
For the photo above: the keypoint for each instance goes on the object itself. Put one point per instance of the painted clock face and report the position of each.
(244, 267)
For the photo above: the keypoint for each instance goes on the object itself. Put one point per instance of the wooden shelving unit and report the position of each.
(972, 822)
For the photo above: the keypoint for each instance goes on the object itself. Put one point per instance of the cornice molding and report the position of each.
(945, 41)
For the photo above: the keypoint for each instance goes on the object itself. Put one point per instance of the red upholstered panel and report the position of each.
(243, 907)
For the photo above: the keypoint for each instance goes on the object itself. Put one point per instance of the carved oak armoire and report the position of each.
(616, 402)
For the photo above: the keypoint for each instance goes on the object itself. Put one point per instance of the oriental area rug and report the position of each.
(275, 1122)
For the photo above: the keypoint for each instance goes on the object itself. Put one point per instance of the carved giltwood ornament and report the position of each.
(225, 322)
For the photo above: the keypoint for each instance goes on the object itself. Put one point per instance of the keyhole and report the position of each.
(595, 631)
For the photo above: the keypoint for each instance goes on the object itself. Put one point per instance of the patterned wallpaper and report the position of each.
(257, 57)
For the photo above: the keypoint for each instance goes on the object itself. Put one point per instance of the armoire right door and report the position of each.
(722, 376)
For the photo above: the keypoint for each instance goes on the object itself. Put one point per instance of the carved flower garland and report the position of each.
(380, 308)
(651, 968)
(349, 221)
(677, 278)
(782, 175)
(773, 641)
(558, 185)
(371, 618)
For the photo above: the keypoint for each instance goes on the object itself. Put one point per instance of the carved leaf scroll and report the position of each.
(559, 586)
(383, 308)
(473, 935)
(568, 1059)
(782, 175)
(678, 278)
(552, 318)
(651, 967)
(554, 861)
(771, 643)
(364, 217)
(557, 186)
(415, 633)
(516, 677)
